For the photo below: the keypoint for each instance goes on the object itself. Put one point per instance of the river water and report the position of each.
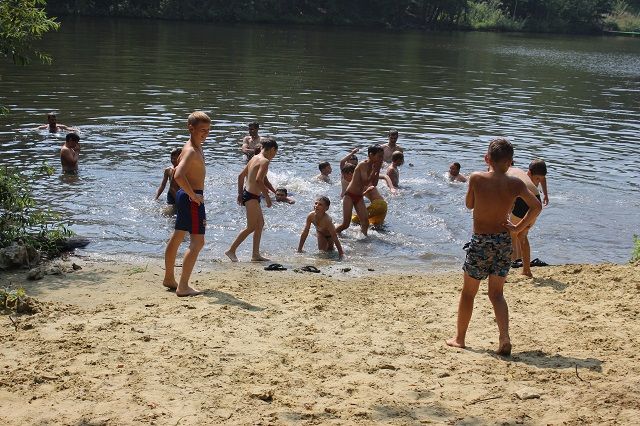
(128, 86)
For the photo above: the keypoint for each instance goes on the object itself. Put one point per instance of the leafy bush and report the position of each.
(622, 18)
(489, 16)
(21, 222)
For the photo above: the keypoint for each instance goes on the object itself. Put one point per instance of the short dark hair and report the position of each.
(51, 114)
(397, 155)
(325, 200)
(270, 143)
(254, 124)
(500, 149)
(457, 165)
(538, 167)
(323, 165)
(393, 132)
(374, 149)
(282, 189)
(348, 168)
(176, 151)
(72, 137)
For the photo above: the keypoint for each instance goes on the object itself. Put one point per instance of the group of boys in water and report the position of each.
(505, 203)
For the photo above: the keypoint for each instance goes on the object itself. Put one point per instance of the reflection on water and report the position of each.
(129, 85)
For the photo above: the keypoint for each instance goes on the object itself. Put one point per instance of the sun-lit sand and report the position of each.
(112, 346)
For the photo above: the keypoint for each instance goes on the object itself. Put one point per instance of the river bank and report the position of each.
(112, 347)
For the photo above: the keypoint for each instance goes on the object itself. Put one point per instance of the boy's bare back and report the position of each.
(491, 196)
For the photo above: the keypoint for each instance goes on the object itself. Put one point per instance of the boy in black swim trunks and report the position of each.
(168, 177)
(255, 174)
(325, 230)
(189, 174)
(491, 195)
(533, 178)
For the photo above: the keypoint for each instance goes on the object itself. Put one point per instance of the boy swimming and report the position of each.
(325, 171)
(325, 230)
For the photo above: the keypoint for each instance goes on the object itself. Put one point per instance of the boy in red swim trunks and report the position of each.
(191, 217)
(365, 175)
(255, 174)
(491, 195)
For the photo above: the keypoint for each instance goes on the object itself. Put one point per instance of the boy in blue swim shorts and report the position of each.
(491, 195)
(189, 174)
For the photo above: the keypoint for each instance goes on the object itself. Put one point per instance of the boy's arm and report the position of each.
(545, 200)
(336, 241)
(241, 177)
(291, 200)
(305, 232)
(470, 199)
(268, 185)
(346, 157)
(263, 168)
(387, 179)
(374, 175)
(180, 176)
(535, 207)
(165, 177)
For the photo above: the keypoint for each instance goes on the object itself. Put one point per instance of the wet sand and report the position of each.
(112, 347)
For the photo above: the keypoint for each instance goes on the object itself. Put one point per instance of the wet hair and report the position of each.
(397, 155)
(270, 143)
(500, 150)
(257, 149)
(353, 157)
(198, 117)
(457, 165)
(393, 132)
(253, 124)
(325, 200)
(72, 137)
(51, 114)
(176, 151)
(374, 149)
(281, 189)
(323, 165)
(538, 168)
(348, 168)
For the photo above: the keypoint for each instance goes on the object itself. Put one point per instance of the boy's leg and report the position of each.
(189, 261)
(170, 254)
(465, 309)
(515, 242)
(347, 208)
(523, 239)
(363, 215)
(257, 234)
(251, 226)
(501, 310)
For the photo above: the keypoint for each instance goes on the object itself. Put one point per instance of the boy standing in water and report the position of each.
(325, 171)
(255, 173)
(365, 175)
(454, 173)
(534, 177)
(168, 176)
(491, 195)
(53, 126)
(191, 217)
(397, 160)
(70, 153)
(251, 142)
(325, 231)
(391, 146)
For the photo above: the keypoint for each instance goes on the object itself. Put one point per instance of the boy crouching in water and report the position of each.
(325, 230)
(491, 195)
(191, 217)
(255, 174)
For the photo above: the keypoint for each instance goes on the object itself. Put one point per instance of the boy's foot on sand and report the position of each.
(231, 255)
(505, 348)
(527, 274)
(189, 292)
(454, 343)
(170, 285)
(259, 258)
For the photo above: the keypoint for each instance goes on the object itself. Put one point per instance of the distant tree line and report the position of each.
(522, 15)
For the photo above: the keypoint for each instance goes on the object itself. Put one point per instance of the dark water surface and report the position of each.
(129, 85)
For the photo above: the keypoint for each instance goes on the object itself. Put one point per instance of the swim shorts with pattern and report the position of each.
(190, 216)
(488, 254)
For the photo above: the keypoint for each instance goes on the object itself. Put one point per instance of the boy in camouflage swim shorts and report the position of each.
(491, 195)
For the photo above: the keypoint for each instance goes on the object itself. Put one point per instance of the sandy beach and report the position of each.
(112, 347)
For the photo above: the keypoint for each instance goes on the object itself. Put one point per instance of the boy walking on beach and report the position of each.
(255, 173)
(491, 195)
(326, 232)
(366, 174)
(191, 216)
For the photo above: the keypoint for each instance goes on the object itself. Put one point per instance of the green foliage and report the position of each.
(9, 299)
(635, 254)
(623, 17)
(21, 221)
(23, 22)
(488, 15)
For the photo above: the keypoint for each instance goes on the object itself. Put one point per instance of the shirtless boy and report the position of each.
(325, 171)
(255, 173)
(325, 231)
(454, 173)
(397, 160)
(491, 195)
(168, 176)
(191, 217)
(251, 142)
(366, 174)
(282, 196)
(69, 154)
(391, 146)
(533, 178)
(53, 125)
